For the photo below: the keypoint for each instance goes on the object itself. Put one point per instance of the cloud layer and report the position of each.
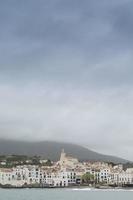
(66, 72)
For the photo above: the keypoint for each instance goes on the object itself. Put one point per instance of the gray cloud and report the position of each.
(66, 72)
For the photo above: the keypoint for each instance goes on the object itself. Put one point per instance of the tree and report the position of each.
(36, 160)
(48, 163)
(88, 178)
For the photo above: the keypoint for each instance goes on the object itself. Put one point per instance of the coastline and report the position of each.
(68, 187)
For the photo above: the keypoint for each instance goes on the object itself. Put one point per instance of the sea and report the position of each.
(65, 194)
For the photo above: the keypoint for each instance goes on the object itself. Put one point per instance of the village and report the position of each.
(67, 172)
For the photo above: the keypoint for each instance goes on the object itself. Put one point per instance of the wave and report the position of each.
(81, 189)
(102, 190)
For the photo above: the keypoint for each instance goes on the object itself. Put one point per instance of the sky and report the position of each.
(66, 72)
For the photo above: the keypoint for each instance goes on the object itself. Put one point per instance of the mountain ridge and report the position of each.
(52, 149)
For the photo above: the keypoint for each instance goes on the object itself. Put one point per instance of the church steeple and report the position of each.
(63, 155)
(62, 151)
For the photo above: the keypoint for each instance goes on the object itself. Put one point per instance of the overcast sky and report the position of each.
(66, 72)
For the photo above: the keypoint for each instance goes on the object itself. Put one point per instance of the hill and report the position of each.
(51, 150)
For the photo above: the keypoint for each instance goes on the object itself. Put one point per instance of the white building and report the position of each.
(126, 177)
(60, 178)
(103, 175)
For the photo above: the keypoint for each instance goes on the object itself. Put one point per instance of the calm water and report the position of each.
(64, 194)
